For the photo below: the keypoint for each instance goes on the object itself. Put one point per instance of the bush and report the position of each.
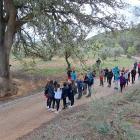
(129, 56)
(131, 50)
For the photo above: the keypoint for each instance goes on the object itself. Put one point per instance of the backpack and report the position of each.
(124, 79)
(74, 76)
(90, 80)
(80, 84)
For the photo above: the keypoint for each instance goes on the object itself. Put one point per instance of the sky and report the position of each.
(127, 13)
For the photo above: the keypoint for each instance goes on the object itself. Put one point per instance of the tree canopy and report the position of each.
(23, 21)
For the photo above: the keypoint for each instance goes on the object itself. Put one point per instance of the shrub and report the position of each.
(131, 50)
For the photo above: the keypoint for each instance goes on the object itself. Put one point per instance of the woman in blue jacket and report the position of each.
(79, 86)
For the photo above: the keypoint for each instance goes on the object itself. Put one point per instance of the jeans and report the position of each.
(53, 102)
(101, 82)
(121, 86)
(85, 88)
(105, 78)
(89, 89)
(109, 81)
(79, 92)
(50, 101)
(116, 83)
(57, 103)
(72, 99)
(64, 102)
(133, 79)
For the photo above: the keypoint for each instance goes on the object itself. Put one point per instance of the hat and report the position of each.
(89, 74)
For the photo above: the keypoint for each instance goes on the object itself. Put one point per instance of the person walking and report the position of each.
(128, 75)
(98, 62)
(65, 91)
(106, 72)
(85, 83)
(139, 71)
(116, 80)
(123, 69)
(58, 94)
(79, 86)
(90, 83)
(115, 71)
(72, 90)
(46, 93)
(69, 73)
(101, 75)
(121, 81)
(73, 75)
(135, 64)
(126, 78)
(109, 77)
(51, 95)
(133, 74)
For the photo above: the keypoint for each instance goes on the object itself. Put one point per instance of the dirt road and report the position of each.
(20, 116)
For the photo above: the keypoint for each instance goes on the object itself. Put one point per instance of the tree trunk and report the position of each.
(6, 85)
(7, 32)
(68, 64)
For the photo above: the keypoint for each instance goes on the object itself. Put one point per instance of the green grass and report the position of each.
(121, 62)
(47, 71)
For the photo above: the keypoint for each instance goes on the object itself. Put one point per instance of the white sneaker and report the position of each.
(59, 110)
(47, 106)
(56, 112)
(53, 109)
(70, 106)
(50, 109)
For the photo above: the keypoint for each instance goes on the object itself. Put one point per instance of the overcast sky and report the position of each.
(128, 13)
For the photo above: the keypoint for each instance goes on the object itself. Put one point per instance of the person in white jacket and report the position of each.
(126, 77)
(57, 96)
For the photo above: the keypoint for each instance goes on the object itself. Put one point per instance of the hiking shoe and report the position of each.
(56, 112)
(53, 109)
(47, 106)
(88, 96)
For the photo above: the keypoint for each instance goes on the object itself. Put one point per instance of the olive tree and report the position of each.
(45, 19)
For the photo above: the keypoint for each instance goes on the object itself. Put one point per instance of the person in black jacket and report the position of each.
(65, 91)
(106, 72)
(109, 77)
(46, 93)
(50, 89)
(98, 62)
(133, 74)
(69, 73)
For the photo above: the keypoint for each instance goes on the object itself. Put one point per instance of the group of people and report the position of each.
(73, 85)
(122, 76)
